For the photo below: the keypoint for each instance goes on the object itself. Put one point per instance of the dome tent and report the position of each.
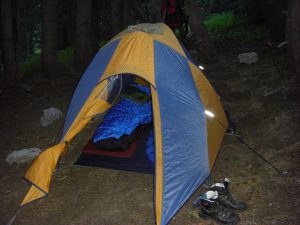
(188, 117)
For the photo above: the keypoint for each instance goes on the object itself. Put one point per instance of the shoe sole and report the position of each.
(204, 216)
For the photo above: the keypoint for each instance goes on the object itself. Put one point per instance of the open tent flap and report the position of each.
(40, 171)
(105, 94)
(121, 140)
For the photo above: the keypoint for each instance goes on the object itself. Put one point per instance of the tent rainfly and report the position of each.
(188, 117)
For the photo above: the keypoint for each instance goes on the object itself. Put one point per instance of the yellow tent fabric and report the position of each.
(158, 155)
(168, 37)
(215, 127)
(40, 171)
(133, 55)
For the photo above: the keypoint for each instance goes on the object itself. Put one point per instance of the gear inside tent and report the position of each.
(125, 131)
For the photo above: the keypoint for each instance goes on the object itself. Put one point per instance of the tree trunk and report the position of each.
(201, 39)
(293, 36)
(116, 15)
(155, 11)
(21, 32)
(30, 45)
(66, 16)
(86, 44)
(138, 10)
(9, 43)
(127, 17)
(49, 38)
(101, 16)
(1, 66)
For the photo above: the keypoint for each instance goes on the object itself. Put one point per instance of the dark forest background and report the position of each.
(54, 36)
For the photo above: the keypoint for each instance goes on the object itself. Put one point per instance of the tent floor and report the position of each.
(134, 159)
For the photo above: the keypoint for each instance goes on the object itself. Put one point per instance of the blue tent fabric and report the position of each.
(185, 162)
(124, 117)
(88, 81)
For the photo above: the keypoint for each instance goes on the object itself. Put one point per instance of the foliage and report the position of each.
(221, 22)
(33, 63)
(214, 6)
(64, 56)
(102, 43)
(227, 26)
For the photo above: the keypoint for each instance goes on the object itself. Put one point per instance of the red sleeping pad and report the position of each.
(134, 159)
(91, 149)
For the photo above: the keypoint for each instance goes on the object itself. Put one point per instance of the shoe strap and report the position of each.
(218, 185)
(211, 195)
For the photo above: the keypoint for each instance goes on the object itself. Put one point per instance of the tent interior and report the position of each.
(123, 135)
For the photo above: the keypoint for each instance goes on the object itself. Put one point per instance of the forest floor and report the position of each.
(264, 106)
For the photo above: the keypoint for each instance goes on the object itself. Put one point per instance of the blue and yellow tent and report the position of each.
(189, 120)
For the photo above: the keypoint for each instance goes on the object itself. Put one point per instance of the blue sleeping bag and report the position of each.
(124, 118)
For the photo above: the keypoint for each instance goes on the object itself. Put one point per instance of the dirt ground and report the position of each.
(263, 104)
